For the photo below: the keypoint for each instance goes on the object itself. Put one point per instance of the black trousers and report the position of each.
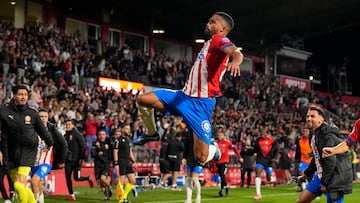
(243, 172)
(73, 168)
(3, 173)
(222, 169)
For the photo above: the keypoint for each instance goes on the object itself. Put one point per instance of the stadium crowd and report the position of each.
(62, 73)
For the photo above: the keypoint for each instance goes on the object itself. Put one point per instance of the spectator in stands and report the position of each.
(123, 161)
(75, 158)
(303, 154)
(5, 61)
(91, 125)
(247, 162)
(196, 103)
(267, 151)
(332, 175)
(193, 171)
(222, 165)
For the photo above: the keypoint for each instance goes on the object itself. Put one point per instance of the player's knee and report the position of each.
(140, 99)
(201, 156)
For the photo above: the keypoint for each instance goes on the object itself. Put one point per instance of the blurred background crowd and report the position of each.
(62, 72)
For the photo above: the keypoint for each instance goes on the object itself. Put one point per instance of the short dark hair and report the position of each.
(229, 20)
(43, 110)
(16, 88)
(318, 109)
(69, 120)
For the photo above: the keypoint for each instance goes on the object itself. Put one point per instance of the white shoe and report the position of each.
(7, 201)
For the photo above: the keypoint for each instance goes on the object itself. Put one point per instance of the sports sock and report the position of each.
(41, 198)
(189, 188)
(21, 192)
(258, 185)
(197, 187)
(30, 195)
(147, 115)
(212, 150)
(128, 188)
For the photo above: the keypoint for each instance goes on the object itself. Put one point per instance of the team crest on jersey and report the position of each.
(70, 137)
(225, 39)
(206, 126)
(201, 56)
(106, 146)
(27, 120)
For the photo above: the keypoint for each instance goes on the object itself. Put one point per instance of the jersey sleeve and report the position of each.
(354, 135)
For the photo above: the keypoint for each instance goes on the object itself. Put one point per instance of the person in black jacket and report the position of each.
(331, 175)
(103, 157)
(75, 159)
(174, 155)
(20, 126)
(8, 197)
(247, 162)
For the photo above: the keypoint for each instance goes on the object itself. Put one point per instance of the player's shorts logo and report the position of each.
(206, 126)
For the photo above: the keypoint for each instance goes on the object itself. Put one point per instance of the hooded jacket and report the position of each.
(20, 127)
(336, 172)
(60, 146)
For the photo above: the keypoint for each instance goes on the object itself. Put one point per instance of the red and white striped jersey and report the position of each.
(43, 155)
(208, 69)
(354, 136)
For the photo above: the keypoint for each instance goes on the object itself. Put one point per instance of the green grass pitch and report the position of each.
(278, 194)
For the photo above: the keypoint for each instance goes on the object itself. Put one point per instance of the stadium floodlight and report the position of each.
(158, 31)
(199, 41)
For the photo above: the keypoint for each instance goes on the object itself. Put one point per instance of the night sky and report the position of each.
(332, 48)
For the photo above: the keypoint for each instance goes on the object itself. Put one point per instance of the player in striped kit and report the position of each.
(45, 157)
(196, 101)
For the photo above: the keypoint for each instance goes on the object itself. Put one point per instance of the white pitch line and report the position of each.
(174, 201)
(215, 199)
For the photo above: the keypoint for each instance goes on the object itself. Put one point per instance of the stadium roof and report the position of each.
(257, 22)
(329, 29)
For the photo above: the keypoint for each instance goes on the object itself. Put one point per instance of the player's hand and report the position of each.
(61, 165)
(323, 188)
(327, 151)
(234, 69)
(47, 148)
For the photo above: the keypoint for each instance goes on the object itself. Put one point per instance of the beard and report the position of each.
(207, 34)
